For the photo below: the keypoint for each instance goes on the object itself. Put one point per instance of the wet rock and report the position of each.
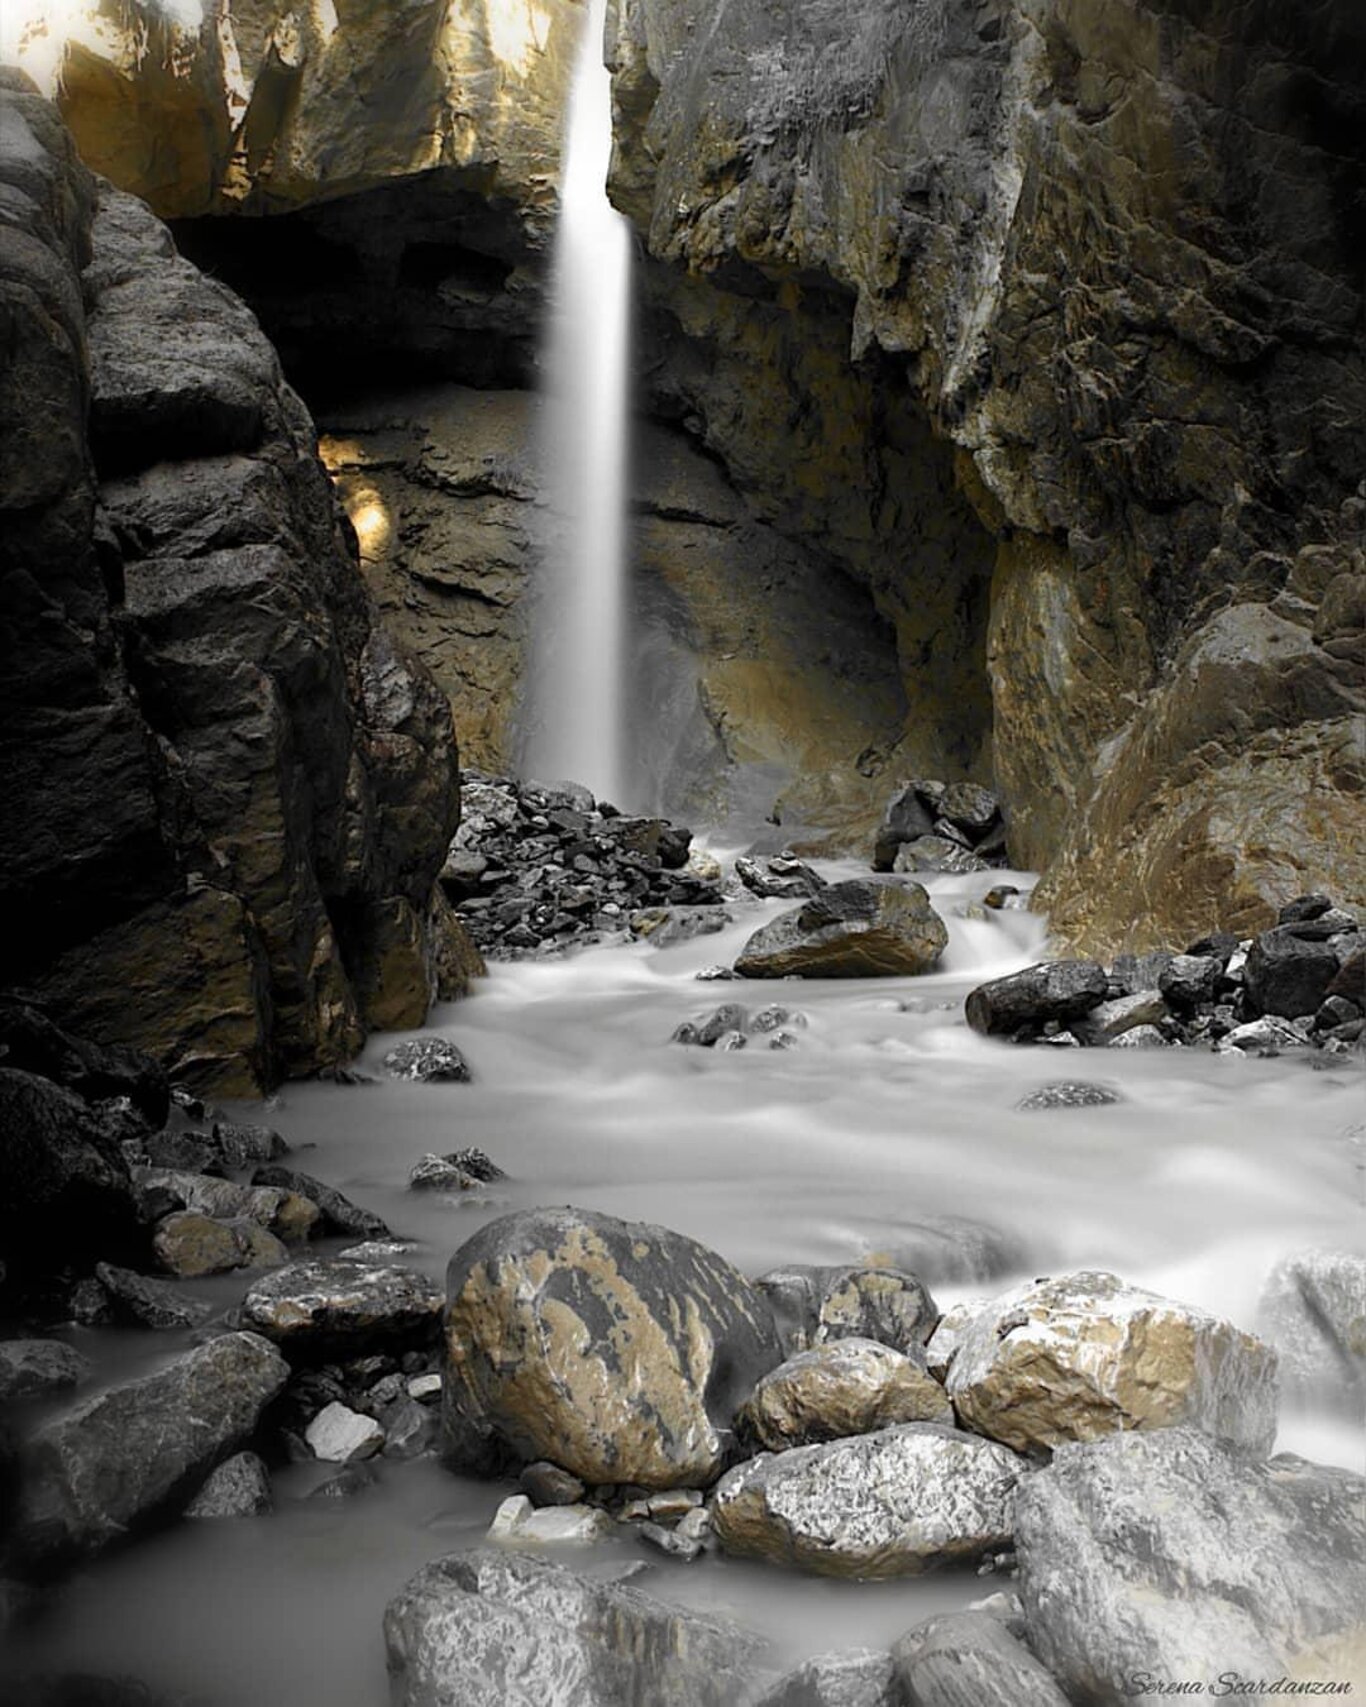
(1172, 1555)
(566, 1525)
(782, 878)
(1190, 982)
(970, 1659)
(1304, 908)
(664, 926)
(861, 1677)
(1052, 990)
(812, 1305)
(1351, 978)
(339, 1435)
(547, 1484)
(1109, 1020)
(239, 1146)
(1313, 1311)
(729, 1017)
(476, 1163)
(616, 1350)
(877, 1505)
(1069, 1093)
(410, 1428)
(937, 853)
(152, 1303)
(339, 1214)
(716, 974)
(321, 1309)
(427, 1060)
(33, 1043)
(239, 1487)
(948, 1334)
(845, 1387)
(849, 930)
(222, 1199)
(350, 1480)
(906, 817)
(949, 1248)
(376, 1252)
(494, 1625)
(1265, 1036)
(970, 808)
(1085, 1355)
(1139, 1037)
(1288, 974)
(669, 1541)
(190, 1244)
(179, 1152)
(137, 1449)
(435, 1173)
(35, 1369)
(424, 1388)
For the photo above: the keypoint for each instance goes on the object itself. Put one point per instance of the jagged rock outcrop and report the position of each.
(226, 794)
(1112, 258)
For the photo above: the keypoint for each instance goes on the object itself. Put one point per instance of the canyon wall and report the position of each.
(225, 794)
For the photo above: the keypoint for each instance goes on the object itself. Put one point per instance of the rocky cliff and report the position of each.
(226, 794)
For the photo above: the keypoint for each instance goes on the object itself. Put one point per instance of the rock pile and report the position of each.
(946, 827)
(535, 868)
(1300, 984)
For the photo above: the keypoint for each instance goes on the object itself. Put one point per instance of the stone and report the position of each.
(858, 1677)
(1287, 973)
(1304, 908)
(814, 1305)
(338, 1435)
(1139, 1037)
(410, 1428)
(152, 1303)
(948, 1334)
(190, 1245)
(970, 1659)
(547, 1484)
(904, 818)
(1058, 990)
(502, 1625)
(435, 1173)
(970, 808)
(222, 1199)
(617, 1350)
(321, 1309)
(424, 1388)
(1351, 978)
(477, 1163)
(352, 1479)
(114, 1461)
(426, 1061)
(844, 1387)
(1069, 1093)
(937, 854)
(511, 1514)
(239, 1145)
(1313, 1311)
(376, 1252)
(339, 1214)
(1132, 974)
(782, 878)
(664, 926)
(1084, 1355)
(1110, 1020)
(1265, 1036)
(849, 930)
(552, 1525)
(894, 1503)
(670, 1541)
(239, 1487)
(36, 1369)
(1173, 1555)
(1190, 982)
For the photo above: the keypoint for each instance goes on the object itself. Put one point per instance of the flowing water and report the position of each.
(886, 1128)
(574, 720)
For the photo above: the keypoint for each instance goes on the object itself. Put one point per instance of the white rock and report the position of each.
(339, 1435)
(566, 1523)
(945, 1339)
(424, 1387)
(512, 1513)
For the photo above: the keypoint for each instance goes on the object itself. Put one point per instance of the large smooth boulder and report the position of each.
(492, 1626)
(1174, 1556)
(813, 1304)
(1085, 1355)
(844, 1387)
(616, 1349)
(94, 1473)
(877, 1505)
(970, 1659)
(324, 1309)
(849, 930)
(1313, 1310)
(1053, 990)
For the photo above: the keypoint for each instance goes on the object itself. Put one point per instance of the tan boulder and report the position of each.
(1086, 1355)
(849, 1386)
(189, 1243)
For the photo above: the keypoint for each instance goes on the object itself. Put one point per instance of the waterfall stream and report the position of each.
(574, 715)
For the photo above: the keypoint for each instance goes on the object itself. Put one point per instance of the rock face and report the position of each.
(1085, 1355)
(878, 1505)
(850, 1386)
(617, 1350)
(1171, 1555)
(95, 1472)
(849, 930)
(487, 1625)
(227, 796)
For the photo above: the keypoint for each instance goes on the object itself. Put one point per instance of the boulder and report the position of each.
(492, 1625)
(617, 1350)
(36, 1369)
(239, 1487)
(427, 1061)
(339, 1214)
(315, 1310)
(877, 1505)
(191, 1245)
(970, 1659)
(1110, 1020)
(1288, 971)
(517, 1519)
(943, 1343)
(858, 1677)
(970, 808)
(1190, 982)
(906, 817)
(338, 1435)
(547, 1484)
(238, 1146)
(435, 1173)
(1174, 1556)
(92, 1474)
(151, 1303)
(783, 877)
(845, 1387)
(1313, 1311)
(812, 1305)
(937, 853)
(1052, 990)
(849, 930)
(1085, 1355)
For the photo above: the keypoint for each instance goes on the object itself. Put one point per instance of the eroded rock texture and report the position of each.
(226, 794)
(1111, 258)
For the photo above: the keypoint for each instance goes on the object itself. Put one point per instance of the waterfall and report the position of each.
(575, 700)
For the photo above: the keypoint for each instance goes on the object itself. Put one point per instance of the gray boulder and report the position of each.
(315, 1310)
(782, 877)
(35, 1369)
(492, 1626)
(617, 1350)
(970, 1659)
(1173, 1555)
(1052, 990)
(877, 1505)
(860, 1677)
(150, 1303)
(339, 1214)
(849, 930)
(427, 1061)
(114, 1461)
(1289, 970)
(239, 1487)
